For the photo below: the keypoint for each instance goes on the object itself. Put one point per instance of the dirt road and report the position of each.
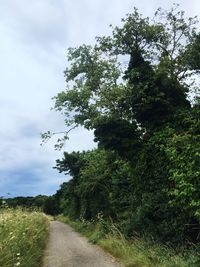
(67, 248)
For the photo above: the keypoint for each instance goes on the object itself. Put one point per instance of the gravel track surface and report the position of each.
(66, 248)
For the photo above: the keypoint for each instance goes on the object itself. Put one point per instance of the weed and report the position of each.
(137, 252)
(23, 237)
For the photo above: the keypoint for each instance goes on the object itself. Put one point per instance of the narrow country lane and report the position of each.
(67, 248)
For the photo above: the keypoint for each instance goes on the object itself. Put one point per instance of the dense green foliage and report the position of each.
(145, 173)
(101, 184)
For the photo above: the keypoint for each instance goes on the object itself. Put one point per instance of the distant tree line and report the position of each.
(43, 203)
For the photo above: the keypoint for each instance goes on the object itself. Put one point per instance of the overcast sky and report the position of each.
(34, 38)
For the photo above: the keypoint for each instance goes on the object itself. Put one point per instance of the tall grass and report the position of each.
(141, 253)
(23, 237)
(137, 252)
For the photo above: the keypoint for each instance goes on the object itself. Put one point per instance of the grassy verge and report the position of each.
(23, 237)
(139, 252)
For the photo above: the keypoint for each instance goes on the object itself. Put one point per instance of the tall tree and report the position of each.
(139, 111)
(141, 96)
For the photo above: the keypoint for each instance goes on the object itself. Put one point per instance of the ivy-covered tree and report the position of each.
(148, 91)
(133, 89)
